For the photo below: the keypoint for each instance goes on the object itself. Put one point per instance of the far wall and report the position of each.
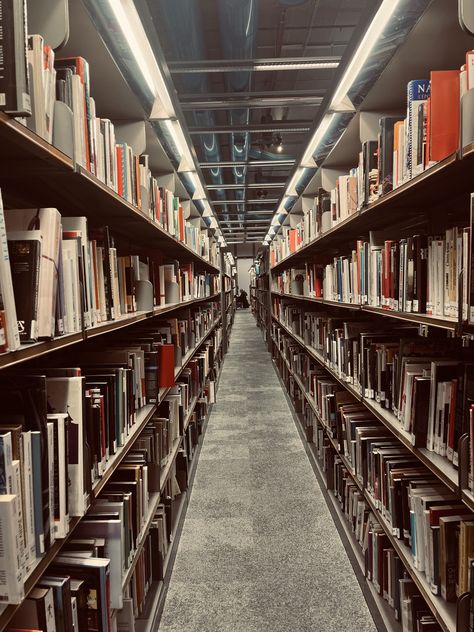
(243, 276)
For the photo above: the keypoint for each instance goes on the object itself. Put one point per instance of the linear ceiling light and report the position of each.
(340, 100)
(129, 22)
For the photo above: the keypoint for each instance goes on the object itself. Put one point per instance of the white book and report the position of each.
(60, 522)
(75, 614)
(37, 121)
(27, 464)
(6, 287)
(69, 315)
(51, 463)
(78, 225)
(11, 574)
(65, 395)
(17, 491)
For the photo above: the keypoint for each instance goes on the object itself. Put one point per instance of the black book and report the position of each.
(421, 395)
(387, 124)
(420, 262)
(370, 162)
(14, 94)
(24, 249)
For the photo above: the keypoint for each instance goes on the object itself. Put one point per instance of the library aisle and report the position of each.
(259, 550)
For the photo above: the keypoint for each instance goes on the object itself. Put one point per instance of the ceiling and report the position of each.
(250, 120)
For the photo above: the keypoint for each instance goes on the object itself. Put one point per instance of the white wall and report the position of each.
(243, 276)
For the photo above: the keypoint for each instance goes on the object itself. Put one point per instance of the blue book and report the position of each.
(418, 92)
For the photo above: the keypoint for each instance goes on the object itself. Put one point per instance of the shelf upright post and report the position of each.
(268, 301)
(223, 309)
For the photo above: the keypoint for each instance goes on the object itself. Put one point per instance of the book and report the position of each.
(14, 91)
(24, 249)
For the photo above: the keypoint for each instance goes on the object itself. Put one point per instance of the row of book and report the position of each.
(417, 274)
(116, 558)
(424, 384)
(60, 276)
(53, 98)
(383, 488)
(62, 428)
(402, 149)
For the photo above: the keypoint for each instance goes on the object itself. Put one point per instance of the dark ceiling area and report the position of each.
(250, 76)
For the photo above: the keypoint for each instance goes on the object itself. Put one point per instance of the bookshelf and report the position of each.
(318, 322)
(148, 412)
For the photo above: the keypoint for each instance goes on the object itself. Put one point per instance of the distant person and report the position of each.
(242, 300)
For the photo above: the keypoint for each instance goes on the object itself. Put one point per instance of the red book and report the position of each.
(166, 366)
(444, 116)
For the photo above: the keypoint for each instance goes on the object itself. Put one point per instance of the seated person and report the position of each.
(242, 300)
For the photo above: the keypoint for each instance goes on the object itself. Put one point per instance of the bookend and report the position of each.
(63, 132)
(463, 612)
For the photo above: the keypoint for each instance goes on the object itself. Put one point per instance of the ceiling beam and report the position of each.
(224, 164)
(294, 127)
(237, 187)
(255, 65)
(262, 101)
(262, 201)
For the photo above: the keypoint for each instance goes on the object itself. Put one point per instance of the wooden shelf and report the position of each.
(450, 324)
(33, 172)
(440, 466)
(444, 612)
(426, 190)
(38, 349)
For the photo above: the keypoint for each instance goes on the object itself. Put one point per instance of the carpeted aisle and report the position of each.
(259, 550)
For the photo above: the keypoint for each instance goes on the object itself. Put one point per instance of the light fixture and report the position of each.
(128, 21)
(317, 65)
(318, 136)
(340, 101)
(186, 159)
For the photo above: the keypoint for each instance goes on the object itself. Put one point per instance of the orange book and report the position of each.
(166, 377)
(444, 114)
(396, 151)
(293, 239)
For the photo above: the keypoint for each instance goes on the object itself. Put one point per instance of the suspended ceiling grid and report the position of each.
(243, 115)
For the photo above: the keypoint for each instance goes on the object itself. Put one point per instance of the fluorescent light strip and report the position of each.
(296, 66)
(131, 26)
(375, 30)
(371, 36)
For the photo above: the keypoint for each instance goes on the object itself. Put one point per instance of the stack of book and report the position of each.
(403, 149)
(396, 370)
(418, 274)
(60, 277)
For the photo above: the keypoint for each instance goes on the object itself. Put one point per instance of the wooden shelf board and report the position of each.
(412, 317)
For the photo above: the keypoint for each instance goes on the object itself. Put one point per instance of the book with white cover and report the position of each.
(78, 225)
(11, 575)
(65, 395)
(48, 222)
(6, 287)
(60, 500)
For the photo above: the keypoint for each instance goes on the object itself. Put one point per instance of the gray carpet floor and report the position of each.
(259, 550)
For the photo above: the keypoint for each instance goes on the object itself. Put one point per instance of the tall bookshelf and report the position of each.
(429, 203)
(34, 174)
